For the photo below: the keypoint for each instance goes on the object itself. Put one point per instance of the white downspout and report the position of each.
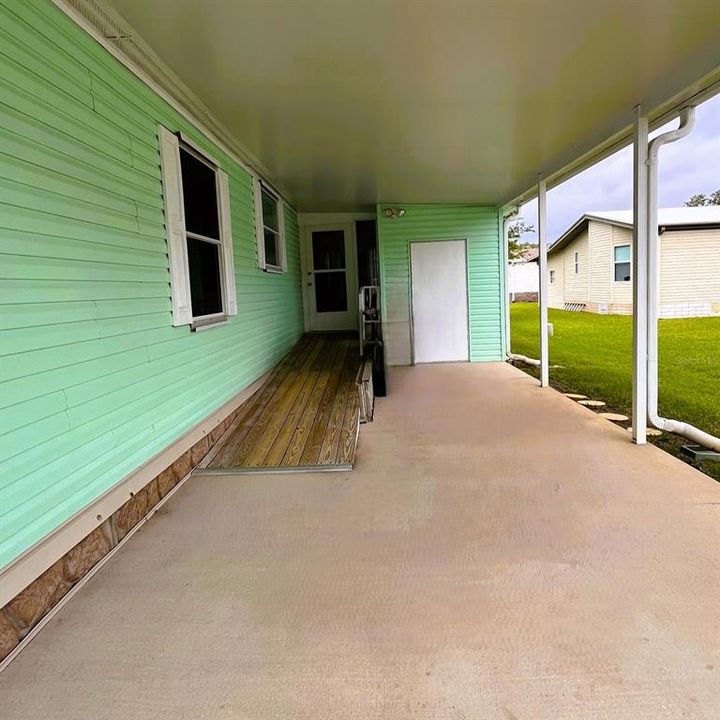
(639, 279)
(543, 289)
(506, 262)
(506, 265)
(687, 120)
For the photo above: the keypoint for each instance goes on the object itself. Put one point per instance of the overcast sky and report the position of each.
(687, 167)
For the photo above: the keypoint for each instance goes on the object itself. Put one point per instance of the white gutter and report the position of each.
(687, 121)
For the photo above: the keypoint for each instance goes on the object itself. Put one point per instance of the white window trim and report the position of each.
(576, 262)
(622, 262)
(552, 277)
(177, 235)
(258, 187)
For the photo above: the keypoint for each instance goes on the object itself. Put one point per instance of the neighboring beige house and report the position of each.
(590, 265)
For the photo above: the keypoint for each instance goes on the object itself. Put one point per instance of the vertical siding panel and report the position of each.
(556, 290)
(476, 224)
(576, 286)
(95, 379)
(601, 256)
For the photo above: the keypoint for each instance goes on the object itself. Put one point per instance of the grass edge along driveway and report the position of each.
(594, 355)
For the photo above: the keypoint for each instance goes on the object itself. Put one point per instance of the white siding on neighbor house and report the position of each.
(690, 273)
(601, 256)
(523, 277)
(556, 288)
(577, 285)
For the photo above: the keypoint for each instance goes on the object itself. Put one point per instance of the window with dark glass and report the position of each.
(622, 263)
(329, 267)
(202, 231)
(271, 229)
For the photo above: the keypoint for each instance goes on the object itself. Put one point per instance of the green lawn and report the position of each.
(594, 356)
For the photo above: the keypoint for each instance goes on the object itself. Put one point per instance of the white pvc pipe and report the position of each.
(506, 264)
(687, 120)
(543, 289)
(506, 259)
(524, 359)
(639, 278)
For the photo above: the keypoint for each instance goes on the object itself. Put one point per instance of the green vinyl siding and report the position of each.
(95, 379)
(476, 224)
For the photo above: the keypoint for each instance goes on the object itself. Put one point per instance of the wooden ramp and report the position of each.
(304, 417)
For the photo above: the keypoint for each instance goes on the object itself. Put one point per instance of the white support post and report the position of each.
(639, 278)
(543, 288)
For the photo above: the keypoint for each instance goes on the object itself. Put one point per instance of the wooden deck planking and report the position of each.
(331, 438)
(251, 410)
(265, 423)
(280, 446)
(311, 452)
(264, 433)
(301, 435)
(298, 417)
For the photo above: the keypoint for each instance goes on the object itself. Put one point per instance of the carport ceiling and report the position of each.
(351, 102)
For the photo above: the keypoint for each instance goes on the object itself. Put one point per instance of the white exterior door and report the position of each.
(331, 278)
(439, 301)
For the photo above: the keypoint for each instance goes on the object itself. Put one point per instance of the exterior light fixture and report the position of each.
(393, 213)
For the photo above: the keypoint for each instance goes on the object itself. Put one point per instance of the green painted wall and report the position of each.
(95, 380)
(476, 224)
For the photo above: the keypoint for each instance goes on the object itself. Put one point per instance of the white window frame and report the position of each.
(576, 262)
(622, 262)
(260, 187)
(552, 277)
(177, 233)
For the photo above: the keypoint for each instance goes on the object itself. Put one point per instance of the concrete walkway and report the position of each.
(498, 552)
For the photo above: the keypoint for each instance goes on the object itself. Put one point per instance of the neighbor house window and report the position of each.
(197, 218)
(576, 262)
(270, 224)
(622, 263)
(552, 277)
